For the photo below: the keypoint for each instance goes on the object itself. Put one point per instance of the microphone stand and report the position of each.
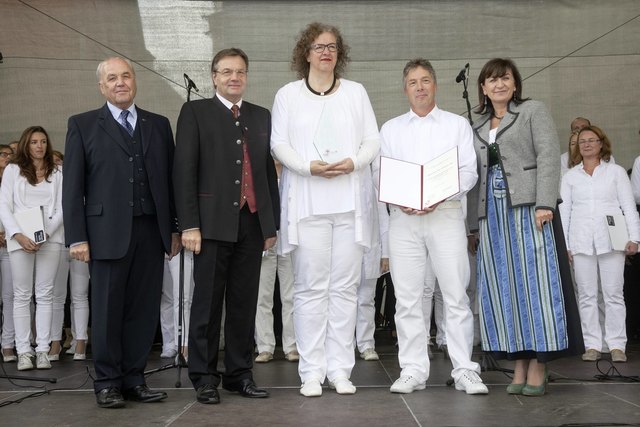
(465, 94)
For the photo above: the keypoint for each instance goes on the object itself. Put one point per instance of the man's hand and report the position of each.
(472, 243)
(269, 243)
(631, 248)
(384, 265)
(176, 245)
(411, 211)
(192, 240)
(80, 252)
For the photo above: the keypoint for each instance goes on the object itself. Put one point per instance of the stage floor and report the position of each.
(575, 397)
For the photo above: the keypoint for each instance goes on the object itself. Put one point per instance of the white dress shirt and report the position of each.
(587, 199)
(635, 180)
(418, 139)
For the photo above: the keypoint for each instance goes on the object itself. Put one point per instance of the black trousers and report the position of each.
(125, 307)
(229, 272)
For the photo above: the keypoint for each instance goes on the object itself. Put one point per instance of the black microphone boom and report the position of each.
(461, 74)
(190, 82)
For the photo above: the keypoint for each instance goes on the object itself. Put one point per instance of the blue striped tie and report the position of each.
(125, 123)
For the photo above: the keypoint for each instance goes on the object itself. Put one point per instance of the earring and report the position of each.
(486, 100)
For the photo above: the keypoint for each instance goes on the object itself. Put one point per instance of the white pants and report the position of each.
(441, 237)
(59, 295)
(611, 268)
(273, 263)
(8, 330)
(366, 317)
(326, 265)
(432, 303)
(45, 261)
(79, 307)
(169, 302)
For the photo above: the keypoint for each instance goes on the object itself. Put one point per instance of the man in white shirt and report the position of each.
(438, 232)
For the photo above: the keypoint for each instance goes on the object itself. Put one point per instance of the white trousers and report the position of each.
(432, 304)
(441, 237)
(169, 302)
(8, 330)
(273, 264)
(59, 295)
(326, 265)
(366, 317)
(45, 262)
(611, 269)
(79, 307)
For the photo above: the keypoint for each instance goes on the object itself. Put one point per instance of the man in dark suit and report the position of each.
(119, 216)
(228, 209)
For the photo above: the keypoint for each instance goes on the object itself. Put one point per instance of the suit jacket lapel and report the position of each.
(145, 129)
(111, 128)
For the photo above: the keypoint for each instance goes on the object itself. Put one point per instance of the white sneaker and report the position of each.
(406, 384)
(471, 383)
(169, 353)
(25, 362)
(369, 355)
(42, 360)
(342, 385)
(292, 356)
(264, 357)
(311, 388)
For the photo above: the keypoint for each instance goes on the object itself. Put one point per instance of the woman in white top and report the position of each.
(8, 332)
(33, 180)
(592, 192)
(567, 160)
(325, 134)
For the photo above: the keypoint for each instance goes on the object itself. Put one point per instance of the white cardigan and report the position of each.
(291, 147)
(12, 195)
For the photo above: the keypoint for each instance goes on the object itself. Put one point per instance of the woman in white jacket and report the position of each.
(593, 192)
(33, 180)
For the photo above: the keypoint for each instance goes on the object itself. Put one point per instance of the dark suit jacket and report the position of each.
(97, 193)
(208, 168)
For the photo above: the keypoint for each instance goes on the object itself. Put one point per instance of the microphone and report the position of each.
(190, 82)
(461, 74)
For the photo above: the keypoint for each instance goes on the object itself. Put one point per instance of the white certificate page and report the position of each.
(400, 183)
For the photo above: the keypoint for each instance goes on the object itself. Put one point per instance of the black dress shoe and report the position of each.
(110, 397)
(247, 388)
(142, 393)
(208, 394)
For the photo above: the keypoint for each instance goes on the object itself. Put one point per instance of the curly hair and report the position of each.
(299, 62)
(605, 150)
(498, 67)
(23, 158)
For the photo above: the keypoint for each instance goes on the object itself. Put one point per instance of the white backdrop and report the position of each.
(580, 57)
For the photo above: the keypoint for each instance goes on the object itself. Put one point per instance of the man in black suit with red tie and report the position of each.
(228, 209)
(119, 215)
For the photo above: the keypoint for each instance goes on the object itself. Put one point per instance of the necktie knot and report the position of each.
(236, 111)
(124, 114)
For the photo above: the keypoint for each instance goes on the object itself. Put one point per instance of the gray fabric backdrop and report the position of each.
(580, 57)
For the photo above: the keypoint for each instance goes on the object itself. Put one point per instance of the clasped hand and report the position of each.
(331, 170)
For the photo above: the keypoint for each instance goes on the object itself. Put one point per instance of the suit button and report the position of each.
(131, 159)
(238, 162)
(512, 192)
(131, 204)
(238, 142)
(235, 203)
(238, 124)
(237, 182)
(507, 174)
(131, 180)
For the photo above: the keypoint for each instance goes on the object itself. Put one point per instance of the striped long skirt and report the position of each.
(521, 299)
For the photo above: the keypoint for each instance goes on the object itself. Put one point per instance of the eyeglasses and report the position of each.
(588, 141)
(228, 72)
(4, 154)
(319, 48)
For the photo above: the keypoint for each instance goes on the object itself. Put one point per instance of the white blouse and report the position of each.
(587, 199)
